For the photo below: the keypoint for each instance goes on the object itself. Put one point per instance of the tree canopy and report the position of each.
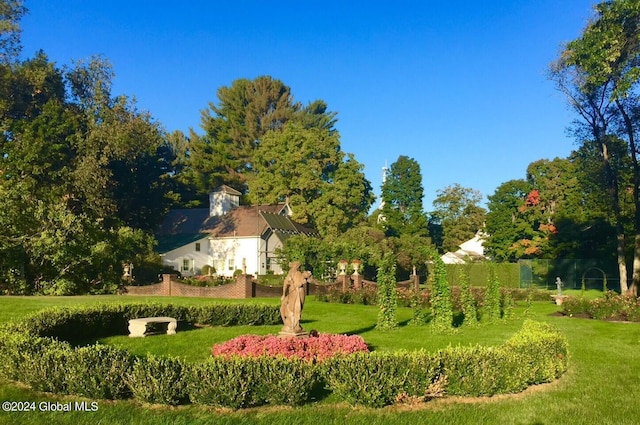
(599, 74)
(81, 178)
(457, 210)
(402, 194)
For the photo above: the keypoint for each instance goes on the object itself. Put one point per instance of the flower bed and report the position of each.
(610, 307)
(314, 348)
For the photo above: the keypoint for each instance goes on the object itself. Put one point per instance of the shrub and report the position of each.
(467, 301)
(155, 379)
(37, 362)
(609, 307)
(543, 352)
(208, 270)
(377, 379)
(245, 382)
(76, 324)
(441, 303)
(536, 354)
(474, 371)
(492, 296)
(575, 306)
(98, 371)
(61, 287)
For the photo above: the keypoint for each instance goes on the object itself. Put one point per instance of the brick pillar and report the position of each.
(166, 285)
(344, 279)
(357, 280)
(247, 281)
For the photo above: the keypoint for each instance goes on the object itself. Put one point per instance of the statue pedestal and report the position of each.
(300, 334)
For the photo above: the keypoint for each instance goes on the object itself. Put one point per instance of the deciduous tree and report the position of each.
(307, 168)
(599, 73)
(457, 209)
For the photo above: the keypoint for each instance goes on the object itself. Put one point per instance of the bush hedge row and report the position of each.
(76, 324)
(30, 354)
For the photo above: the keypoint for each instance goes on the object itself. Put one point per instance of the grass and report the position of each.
(602, 385)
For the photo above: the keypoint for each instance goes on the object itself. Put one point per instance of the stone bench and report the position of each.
(138, 327)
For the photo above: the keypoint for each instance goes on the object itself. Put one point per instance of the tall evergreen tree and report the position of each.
(402, 194)
(233, 129)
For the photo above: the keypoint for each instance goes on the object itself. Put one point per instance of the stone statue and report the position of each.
(559, 285)
(292, 300)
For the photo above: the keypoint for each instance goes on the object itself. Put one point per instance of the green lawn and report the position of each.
(602, 385)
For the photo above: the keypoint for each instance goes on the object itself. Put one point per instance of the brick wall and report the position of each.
(241, 288)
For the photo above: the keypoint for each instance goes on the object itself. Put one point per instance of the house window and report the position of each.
(231, 264)
(197, 246)
(187, 265)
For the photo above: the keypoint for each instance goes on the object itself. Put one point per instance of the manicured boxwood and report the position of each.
(31, 352)
(77, 324)
(534, 355)
(239, 382)
(159, 380)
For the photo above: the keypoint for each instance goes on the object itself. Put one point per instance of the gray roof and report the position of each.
(184, 226)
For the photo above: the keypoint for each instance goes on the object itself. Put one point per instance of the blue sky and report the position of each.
(459, 86)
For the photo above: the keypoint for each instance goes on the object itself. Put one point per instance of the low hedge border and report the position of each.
(37, 352)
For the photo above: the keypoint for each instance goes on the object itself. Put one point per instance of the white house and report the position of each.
(471, 250)
(226, 236)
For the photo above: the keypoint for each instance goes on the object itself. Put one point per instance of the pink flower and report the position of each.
(314, 349)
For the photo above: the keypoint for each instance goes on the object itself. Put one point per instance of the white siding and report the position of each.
(235, 253)
(188, 252)
(221, 203)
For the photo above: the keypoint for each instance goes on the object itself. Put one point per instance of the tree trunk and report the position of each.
(636, 269)
(612, 180)
(628, 125)
(622, 262)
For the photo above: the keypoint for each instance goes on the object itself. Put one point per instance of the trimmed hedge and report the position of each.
(535, 355)
(77, 324)
(252, 381)
(29, 353)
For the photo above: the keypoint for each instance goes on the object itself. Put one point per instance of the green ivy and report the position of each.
(492, 296)
(468, 302)
(387, 295)
(441, 303)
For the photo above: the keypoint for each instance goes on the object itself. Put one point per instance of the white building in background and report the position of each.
(226, 236)
(471, 250)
